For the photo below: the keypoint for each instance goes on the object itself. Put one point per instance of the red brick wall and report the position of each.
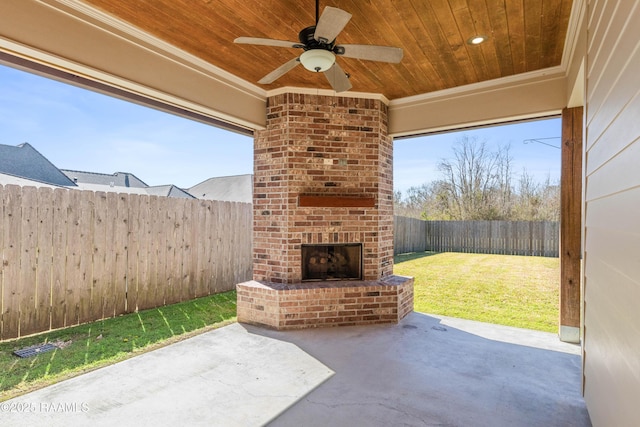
(316, 304)
(327, 146)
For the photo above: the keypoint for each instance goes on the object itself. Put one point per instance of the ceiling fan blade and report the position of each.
(279, 72)
(372, 53)
(332, 21)
(266, 42)
(338, 78)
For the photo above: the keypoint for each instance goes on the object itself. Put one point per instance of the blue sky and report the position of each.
(416, 159)
(82, 130)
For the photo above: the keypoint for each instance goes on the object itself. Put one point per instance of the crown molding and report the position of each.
(578, 10)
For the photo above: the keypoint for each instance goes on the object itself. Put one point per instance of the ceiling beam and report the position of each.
(521, 97)
(68, 36)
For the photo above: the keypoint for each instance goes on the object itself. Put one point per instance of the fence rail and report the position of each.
(533, 238)
(71, 257)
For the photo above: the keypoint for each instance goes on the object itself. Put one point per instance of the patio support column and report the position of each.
(570, 225)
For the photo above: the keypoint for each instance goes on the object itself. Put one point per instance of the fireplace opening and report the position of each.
(332, 262)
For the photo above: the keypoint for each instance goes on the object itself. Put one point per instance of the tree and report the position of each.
(536, 202)
(477, 182)
(414, 203)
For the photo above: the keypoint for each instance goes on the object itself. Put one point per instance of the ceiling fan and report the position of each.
(320, 49)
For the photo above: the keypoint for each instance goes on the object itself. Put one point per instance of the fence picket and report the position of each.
(148, 291)
(101, 280)
(199, 237)
(110, 290)
(59, 272)
(73, 273)
(11, 224)
(121, 235)
(28, 260)
(187, 289)
(170, 296)
(143, 291)
(87, 230)
(45, 259)
(133, 252)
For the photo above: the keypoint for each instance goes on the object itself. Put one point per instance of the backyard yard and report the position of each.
(510, 290)
(93, 345)
(519, 291)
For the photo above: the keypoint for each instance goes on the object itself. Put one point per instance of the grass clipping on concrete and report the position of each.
(518, 291)
(94, 345)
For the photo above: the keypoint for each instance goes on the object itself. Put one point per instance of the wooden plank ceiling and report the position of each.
(523, 36)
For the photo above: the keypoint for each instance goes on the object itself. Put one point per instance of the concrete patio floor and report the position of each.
(425, 371)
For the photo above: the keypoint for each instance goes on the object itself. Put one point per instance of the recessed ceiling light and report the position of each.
(477, 39)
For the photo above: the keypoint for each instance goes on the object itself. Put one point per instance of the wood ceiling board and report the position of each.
(482, 25)
(500, 37)
(515, 12)
(434, 46)
(523, 36)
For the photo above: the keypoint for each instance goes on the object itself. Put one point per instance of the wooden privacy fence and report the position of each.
(70, 257)
(533, 238)
(409, 235)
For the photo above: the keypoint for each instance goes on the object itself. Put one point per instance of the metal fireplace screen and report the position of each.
(332, 262)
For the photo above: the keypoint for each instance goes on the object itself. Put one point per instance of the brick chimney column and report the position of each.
(337, 148)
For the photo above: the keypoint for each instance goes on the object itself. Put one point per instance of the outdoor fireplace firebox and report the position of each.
(332, 262)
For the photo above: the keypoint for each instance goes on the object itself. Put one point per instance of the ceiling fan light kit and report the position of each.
(320, 50)
(318, 60)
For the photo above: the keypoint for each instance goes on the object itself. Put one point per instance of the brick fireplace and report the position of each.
(323, 185)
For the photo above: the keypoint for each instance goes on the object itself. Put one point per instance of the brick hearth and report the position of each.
(323, 174)
(313, 304)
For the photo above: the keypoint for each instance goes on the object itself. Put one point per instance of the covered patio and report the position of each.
(323, 158)
(426, 370)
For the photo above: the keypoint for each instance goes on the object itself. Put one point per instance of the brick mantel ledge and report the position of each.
(331, 303)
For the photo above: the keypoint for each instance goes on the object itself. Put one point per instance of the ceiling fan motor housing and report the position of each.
(307, 38)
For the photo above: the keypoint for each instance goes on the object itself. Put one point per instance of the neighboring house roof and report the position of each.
(23, 165)
(238, 188)
(122, 182)
(24, 161)
(6, 179)
(118, 179)
(168, 191)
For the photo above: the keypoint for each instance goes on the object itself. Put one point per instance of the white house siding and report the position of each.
(612, 214)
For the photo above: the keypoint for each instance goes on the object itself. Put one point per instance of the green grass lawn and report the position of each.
(502, 289)
(97, 344)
